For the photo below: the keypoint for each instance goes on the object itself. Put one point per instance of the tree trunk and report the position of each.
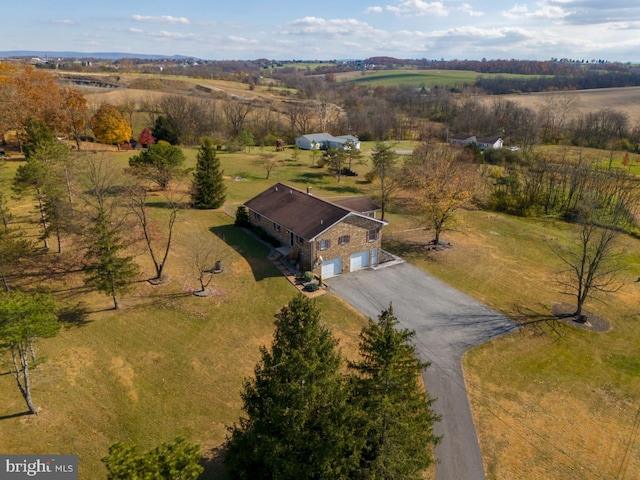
(5, 284)
(116, 305)
(21, 374)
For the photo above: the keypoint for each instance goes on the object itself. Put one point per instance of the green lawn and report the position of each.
(168, 363)
(544, 400)
(426, 78)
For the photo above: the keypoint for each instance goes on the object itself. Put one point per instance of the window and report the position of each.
(372, 235)
(344, 240)
(324, 244)
(276, 227)
(300, 240)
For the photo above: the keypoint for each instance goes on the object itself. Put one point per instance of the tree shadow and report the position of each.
(253, 251)
(74, 315)
(311, 177)
(539, 323)
(213, 463)
(15, 415)
(343, 189)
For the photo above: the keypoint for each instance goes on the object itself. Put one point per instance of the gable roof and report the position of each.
(358, 204)
(304, 214)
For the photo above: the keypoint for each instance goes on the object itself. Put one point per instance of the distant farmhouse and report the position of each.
(328, 238)
(484, 143)
(323, 141)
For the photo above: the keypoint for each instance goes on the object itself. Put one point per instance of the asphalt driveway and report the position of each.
(447, 324)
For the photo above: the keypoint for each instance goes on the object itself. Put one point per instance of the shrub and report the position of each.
(242, 216)
(308, 276)
(311, 287)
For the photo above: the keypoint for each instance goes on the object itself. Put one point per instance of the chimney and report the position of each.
(309, 190)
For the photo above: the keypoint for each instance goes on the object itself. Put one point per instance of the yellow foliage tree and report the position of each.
(110, 126)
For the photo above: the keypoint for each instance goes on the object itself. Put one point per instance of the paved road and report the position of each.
(447, 324)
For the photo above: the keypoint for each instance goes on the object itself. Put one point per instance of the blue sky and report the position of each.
(329, 29)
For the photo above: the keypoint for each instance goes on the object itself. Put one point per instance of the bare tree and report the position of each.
(158, 246)
(236, 112)
(269, 162)
(206, 259)
(591, 264)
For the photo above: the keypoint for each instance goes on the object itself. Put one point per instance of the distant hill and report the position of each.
(97, 55)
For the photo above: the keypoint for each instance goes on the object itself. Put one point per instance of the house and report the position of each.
(323, 141)
(363, 205)
(321, 236)
(484, 143)
(488, 143)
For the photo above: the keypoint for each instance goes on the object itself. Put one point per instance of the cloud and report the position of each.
(241, 40)
(373, 10)
(332, 27)
(411, 8)
(161, 19)
(135, 30)
(468, 9)
(63, 22)
(544, 11)
(172, 35)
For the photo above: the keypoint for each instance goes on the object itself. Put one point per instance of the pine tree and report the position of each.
(395, 415)
(171, 461)
(297, 423)
(109, 272)
(208, 188)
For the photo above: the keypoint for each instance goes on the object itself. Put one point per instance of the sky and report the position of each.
(329, 29)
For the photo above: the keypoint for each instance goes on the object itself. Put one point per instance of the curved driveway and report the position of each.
(447, 324)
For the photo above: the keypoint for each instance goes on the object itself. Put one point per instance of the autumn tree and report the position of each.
(146, 138)
(28, 93)
(159, 163)
(353, 154)
(168, 461)
(269, 162)
(395, 418)
(208, 189)
(441, 183)
(298, 422)
(110, 126)
(74, 114)
(25, 318)
(385, 172)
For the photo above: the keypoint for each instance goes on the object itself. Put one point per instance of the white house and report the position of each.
(322, 141)
(484, 143)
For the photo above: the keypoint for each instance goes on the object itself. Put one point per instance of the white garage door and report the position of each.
(331, 268)
(359, 260)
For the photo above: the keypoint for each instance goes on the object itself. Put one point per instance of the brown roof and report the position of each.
(304, 214)
(358, 204)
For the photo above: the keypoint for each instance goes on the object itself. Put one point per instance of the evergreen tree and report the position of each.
(171, 461)
(395, 415)
(163, 129)
(208, 188)
(297, 424)
(159, 163)
(108, 271)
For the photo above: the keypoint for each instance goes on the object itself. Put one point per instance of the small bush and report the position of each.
(242, 216)
(311, 287)
(308, 276)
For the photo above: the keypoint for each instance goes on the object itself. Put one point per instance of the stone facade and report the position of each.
(362, 233)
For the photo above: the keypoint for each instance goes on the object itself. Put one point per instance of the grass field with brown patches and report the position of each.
(170, 363)
(625, 100)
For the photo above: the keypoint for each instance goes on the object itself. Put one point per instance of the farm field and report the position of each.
(625, 100)
(418, 78)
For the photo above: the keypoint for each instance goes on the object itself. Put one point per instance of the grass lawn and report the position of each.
(168, 363)
(548, 402)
